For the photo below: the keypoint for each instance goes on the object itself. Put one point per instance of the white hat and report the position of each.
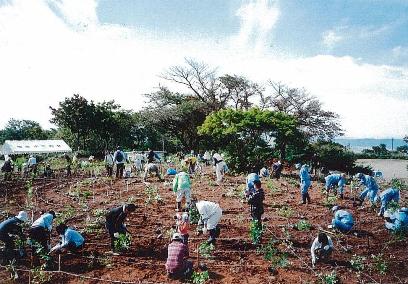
(22, 216)
(177, 236)
(335, 208)
(298, 166)
(358, 176)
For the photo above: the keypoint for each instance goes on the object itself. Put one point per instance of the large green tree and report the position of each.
(248, 137)
(23, 130)
(176, 117)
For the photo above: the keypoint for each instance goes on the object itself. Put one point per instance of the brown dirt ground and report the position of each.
(235, 259)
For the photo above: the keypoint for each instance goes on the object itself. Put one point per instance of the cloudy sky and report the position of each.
(351, 54)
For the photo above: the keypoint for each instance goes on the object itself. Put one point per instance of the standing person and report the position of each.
(69, 164)
(71, 240)
(220, 167)
(138, 162)
(40, 230)
(7, 168)
(177, 264)
(9, 229)
(108, 160)
(207, 158)
(277, 169)
(305, 183)
(182, 187)
(115, 219)
(256, 200)
(210, 215)
(32, 164)
(321, 249)
(119, 159)
(334, 180)
(371, 188)
(343, 220)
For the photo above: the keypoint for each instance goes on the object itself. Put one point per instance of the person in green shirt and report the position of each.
(182, 187)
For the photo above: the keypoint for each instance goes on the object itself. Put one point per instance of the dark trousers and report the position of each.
(109, 170)
(112, 229)
(257, 216)
(41, 236)
(119, 170)
(305, 197)
(8, 247)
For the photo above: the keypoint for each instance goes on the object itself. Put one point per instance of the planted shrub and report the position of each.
(123, 242)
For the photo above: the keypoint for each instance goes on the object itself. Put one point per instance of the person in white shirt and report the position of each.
(321, 249)
(108, 163)
(32, 164)
(210, 215)
(220, 167)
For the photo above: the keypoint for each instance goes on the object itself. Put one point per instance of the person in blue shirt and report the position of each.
(397, 221)
(343, 220)
(334, 180)
(388, 195)
(40, 231)
(9, 229)
(250, 187)
(70, 239)
(371, 187)
(305, 183)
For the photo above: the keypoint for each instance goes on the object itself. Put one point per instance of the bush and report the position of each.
(123, 242)
(200, 277)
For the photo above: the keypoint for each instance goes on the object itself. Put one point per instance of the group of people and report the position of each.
(343, 221)
(39, 235)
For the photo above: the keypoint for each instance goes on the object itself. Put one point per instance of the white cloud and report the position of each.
(331, 38)
(258, 18)
(45, 58)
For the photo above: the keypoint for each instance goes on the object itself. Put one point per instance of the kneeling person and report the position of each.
(343, 220)
(210, 215)
(177, 264)
(70, 239)
(321, 249)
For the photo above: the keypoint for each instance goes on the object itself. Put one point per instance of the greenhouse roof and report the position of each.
(15, 147)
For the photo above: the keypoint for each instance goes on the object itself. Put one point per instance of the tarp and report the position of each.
(16, 147)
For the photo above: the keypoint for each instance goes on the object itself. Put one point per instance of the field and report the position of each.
(282, 257)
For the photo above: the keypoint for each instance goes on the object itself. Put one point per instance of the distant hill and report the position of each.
(357, 145)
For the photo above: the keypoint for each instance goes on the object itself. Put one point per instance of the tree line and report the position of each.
(249, 122)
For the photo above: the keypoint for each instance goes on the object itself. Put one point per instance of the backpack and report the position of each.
(119, 156)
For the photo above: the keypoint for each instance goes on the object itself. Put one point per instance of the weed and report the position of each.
(123, 242)
(303, 225)
(272, 254)
(380, 264)
(285, 211)
(393, 206)
(200, 277)
(194, 215)
(330, 278)
(255, 232)
(206, 250)
(357, 262)
(65, 214)
(330, 201)
(11, 268)
(273, 189)
(39, 275)
(152, 194)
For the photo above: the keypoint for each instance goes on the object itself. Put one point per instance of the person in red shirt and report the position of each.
(177, 265)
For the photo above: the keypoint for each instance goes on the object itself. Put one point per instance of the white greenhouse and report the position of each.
(19, 147)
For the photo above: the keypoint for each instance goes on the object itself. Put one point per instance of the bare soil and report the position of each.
(235, 259)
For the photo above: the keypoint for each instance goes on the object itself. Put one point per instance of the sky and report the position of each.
(350, 54)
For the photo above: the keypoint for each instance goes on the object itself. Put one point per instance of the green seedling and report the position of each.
(200, 277)
(206, 250)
